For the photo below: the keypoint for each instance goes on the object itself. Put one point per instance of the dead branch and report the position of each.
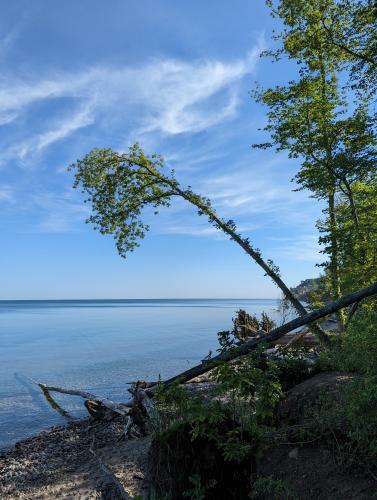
(141, 410)
(137, 410)
(351, 313)
(55, 406)
(299, 336)
(121, 409)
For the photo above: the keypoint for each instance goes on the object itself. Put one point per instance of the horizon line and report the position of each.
(138, 299)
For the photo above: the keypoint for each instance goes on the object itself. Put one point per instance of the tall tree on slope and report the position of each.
(309, 117)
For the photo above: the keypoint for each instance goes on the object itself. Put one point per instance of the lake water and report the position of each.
(99, 345)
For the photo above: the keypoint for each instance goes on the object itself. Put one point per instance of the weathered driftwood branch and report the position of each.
(122, 408)
(274, 335)
(54, 405)
(299, 336)
(136, 409)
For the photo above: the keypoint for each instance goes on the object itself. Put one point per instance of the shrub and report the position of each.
(356, 349)
(268, 488)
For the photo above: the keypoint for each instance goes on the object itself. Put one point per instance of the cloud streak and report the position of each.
(63, 128)
(259, 189)
(163, 96)
(6, 194)
(303, 248)
(60, 213)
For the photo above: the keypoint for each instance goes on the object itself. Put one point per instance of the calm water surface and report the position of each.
(99, 345)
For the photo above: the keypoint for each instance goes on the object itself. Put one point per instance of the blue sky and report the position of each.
(174, 76)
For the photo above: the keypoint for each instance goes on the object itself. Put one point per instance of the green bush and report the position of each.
(356, 349)
(292, 366)
(268, 488)
(360, 414)
(349, 422)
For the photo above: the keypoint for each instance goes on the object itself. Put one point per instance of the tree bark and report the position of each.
(334, 258)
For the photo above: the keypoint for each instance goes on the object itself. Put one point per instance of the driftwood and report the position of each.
(54, 405)
(99, 411)
(274, 335)
(121, 409)
(304, 336)
(137, 409)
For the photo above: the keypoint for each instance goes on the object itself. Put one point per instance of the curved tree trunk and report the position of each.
(256, 256)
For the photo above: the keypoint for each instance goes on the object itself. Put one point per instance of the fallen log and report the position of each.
(274, 335)
(121, 409)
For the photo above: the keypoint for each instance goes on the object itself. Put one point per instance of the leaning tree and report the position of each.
(120, 185)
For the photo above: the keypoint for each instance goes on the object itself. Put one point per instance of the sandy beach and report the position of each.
(59, 463)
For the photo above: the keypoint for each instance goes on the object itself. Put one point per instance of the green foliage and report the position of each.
(345, 29)
(353, 32)
(119, 186)
(356, 349)
(228, 341)
(221, 430)
(292, 366)
(347, 420)
(361, 414)
(312, 119)
(240, 408)
(269, 488)
(211, 420)
(198, 491)
(350, 419)
(251, 382)
(358, 241)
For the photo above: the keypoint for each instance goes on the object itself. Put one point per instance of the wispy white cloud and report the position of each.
(6, 194)
(163, 96)
(303, 248)
(64, 127)
(259, 189)
(58, 214)
(192, 230)
(155, 101)
(8, 39)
